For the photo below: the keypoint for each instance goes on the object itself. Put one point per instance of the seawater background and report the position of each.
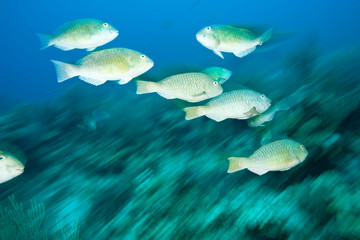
(146, 173)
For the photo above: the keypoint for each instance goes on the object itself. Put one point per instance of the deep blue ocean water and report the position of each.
(164, 30)
(144, 172)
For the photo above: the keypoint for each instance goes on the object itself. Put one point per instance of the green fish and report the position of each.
(191, 87)
(238, 104)
(115, 64)
(276, 156)
(82, 34)
(219, 74)
(224, 38)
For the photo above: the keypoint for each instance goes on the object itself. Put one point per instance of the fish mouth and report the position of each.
(20, 170)
(198, 37)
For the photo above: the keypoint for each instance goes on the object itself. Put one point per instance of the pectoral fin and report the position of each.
(258, 171)
(215, 117)
(285, 169)
(93, 81)
(218, 53)
(63, 47)
(244, 53)
(124, 81)
(252, 112)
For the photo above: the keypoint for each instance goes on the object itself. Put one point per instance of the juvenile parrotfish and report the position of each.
(11, 163)
(268, 115)
(224, 38)
(276, 156)
(191, 87)
(237, 104)
(219, 74)
(283, 105)
(81, 33)
(115, 64)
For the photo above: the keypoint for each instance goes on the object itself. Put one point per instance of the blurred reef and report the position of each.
(144, 172)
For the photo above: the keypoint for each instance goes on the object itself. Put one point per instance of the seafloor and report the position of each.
(147, 173)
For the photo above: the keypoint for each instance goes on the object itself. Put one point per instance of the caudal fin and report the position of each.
(194, 112)
(236, 164)
(266, 36)
(146, 87)
(65, 71)
(45, 40)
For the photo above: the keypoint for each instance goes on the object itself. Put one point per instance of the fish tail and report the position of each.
(45, 40)
(146, 87)
(65, 71)
(236, 164)
(194, 112)
(266, 36)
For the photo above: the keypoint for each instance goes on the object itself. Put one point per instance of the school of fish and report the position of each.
(123, 64)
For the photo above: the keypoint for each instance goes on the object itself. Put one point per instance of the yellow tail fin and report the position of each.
(236, 164)
(146, 87)
(194, 112)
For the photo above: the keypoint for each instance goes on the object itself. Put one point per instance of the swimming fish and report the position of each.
(81, 33)
(115, 64)
(191, 87)
(268, 115)
(237, 104)
(283, 105)
(11, 164)
(276, 156)
(224, 38)
(219, 74)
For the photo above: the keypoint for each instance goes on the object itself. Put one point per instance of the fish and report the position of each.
(191, 87)
(283, 105)
(114, 64)
(267, 116)
(84, 33)
(225, 38)
(237, 104)
(12, 164)
(279, 155)
(219, 74)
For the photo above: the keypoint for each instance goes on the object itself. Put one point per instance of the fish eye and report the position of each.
(216, 83)
(262, 96)
(208, 28)
(142, 56)
(224, 69)
(105, 24)
(302, 147)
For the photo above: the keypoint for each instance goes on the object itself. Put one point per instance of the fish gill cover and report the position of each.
(105, 163)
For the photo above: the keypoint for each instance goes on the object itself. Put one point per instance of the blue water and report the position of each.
(163, 30)
(144, 172)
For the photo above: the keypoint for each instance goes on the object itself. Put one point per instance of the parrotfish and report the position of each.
(81, 34)
(275, 156)
(224, 38)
